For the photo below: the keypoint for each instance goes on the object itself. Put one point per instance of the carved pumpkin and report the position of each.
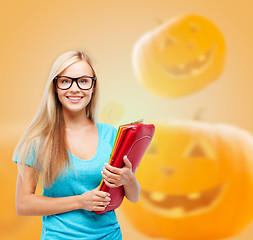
(180, 56)
(112, 113)
(196, 182)
(12, 226)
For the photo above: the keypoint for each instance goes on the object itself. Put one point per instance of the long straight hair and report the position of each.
(44, 139)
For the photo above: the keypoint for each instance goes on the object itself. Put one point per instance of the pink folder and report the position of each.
(132, 140)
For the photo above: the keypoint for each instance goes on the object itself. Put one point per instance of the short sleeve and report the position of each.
(29, 159)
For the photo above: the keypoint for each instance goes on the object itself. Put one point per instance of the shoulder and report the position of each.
(107, 127)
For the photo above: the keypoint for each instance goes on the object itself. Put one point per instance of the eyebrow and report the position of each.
(75, 77)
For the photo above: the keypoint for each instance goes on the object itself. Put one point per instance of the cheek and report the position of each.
(90, 95)
(59, 96)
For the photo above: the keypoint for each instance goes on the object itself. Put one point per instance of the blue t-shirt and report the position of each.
(82, 224)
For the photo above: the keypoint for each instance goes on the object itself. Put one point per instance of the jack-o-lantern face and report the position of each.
(194, 178)
(180, 57)
(186, 200)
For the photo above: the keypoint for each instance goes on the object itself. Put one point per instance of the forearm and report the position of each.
(132, 190)
(35, 205)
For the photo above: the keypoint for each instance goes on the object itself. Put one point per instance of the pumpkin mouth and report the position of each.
(177, 206)
(192, 68)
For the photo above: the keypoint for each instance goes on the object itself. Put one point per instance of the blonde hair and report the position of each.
(45, 136)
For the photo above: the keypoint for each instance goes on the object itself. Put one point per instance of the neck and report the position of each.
(75, 120)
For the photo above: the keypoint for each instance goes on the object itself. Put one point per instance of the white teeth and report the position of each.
(176, 212)
(156, 196)
(201, 58)
(182, 66)
(193, 195)
(195, 71)
(74, 98)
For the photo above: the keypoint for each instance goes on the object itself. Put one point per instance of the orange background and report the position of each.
(34, 34)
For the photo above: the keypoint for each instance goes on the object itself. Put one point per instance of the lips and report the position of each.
(74, 99)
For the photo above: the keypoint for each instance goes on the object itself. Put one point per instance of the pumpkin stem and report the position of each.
(159, 21)
(197, 115)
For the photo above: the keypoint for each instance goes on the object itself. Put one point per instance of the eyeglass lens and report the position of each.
(64, 83)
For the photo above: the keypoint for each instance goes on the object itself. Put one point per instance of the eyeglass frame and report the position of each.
(75, 80)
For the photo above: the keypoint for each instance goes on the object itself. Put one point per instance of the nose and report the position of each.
(190, 45)
(167, 171)
(74, 87)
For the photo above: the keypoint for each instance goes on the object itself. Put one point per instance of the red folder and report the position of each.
(132, 140)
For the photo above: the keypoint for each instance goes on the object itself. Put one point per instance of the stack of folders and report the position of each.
(132, 139)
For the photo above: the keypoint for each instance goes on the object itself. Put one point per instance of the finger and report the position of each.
(101, 203)
(127, 162)
(110, 175)
(97, 208)
(103, 199)
(111, 185)
(102, 194)
(112, 169)
(107, 178)
(111, 179)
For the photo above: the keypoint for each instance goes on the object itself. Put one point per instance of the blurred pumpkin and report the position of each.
(179, 57)
(112, 113)
(12, 226)
(196, 182)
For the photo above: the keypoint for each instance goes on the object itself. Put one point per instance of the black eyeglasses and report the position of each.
(64, 82)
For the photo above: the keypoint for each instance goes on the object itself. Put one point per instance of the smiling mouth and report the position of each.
(177, 206)
(192, 68)
(74, 99)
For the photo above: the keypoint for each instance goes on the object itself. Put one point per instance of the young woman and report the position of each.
(71, 150)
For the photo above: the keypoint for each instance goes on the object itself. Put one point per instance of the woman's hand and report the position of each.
(94, 200)
(115, 177)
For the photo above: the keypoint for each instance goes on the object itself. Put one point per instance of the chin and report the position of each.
(76, 109)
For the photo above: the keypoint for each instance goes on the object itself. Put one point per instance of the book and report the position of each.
(132, 139)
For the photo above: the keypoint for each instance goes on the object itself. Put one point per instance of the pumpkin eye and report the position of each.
(200, 149)
(194, 27)
(168, 41)
(190, 45)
